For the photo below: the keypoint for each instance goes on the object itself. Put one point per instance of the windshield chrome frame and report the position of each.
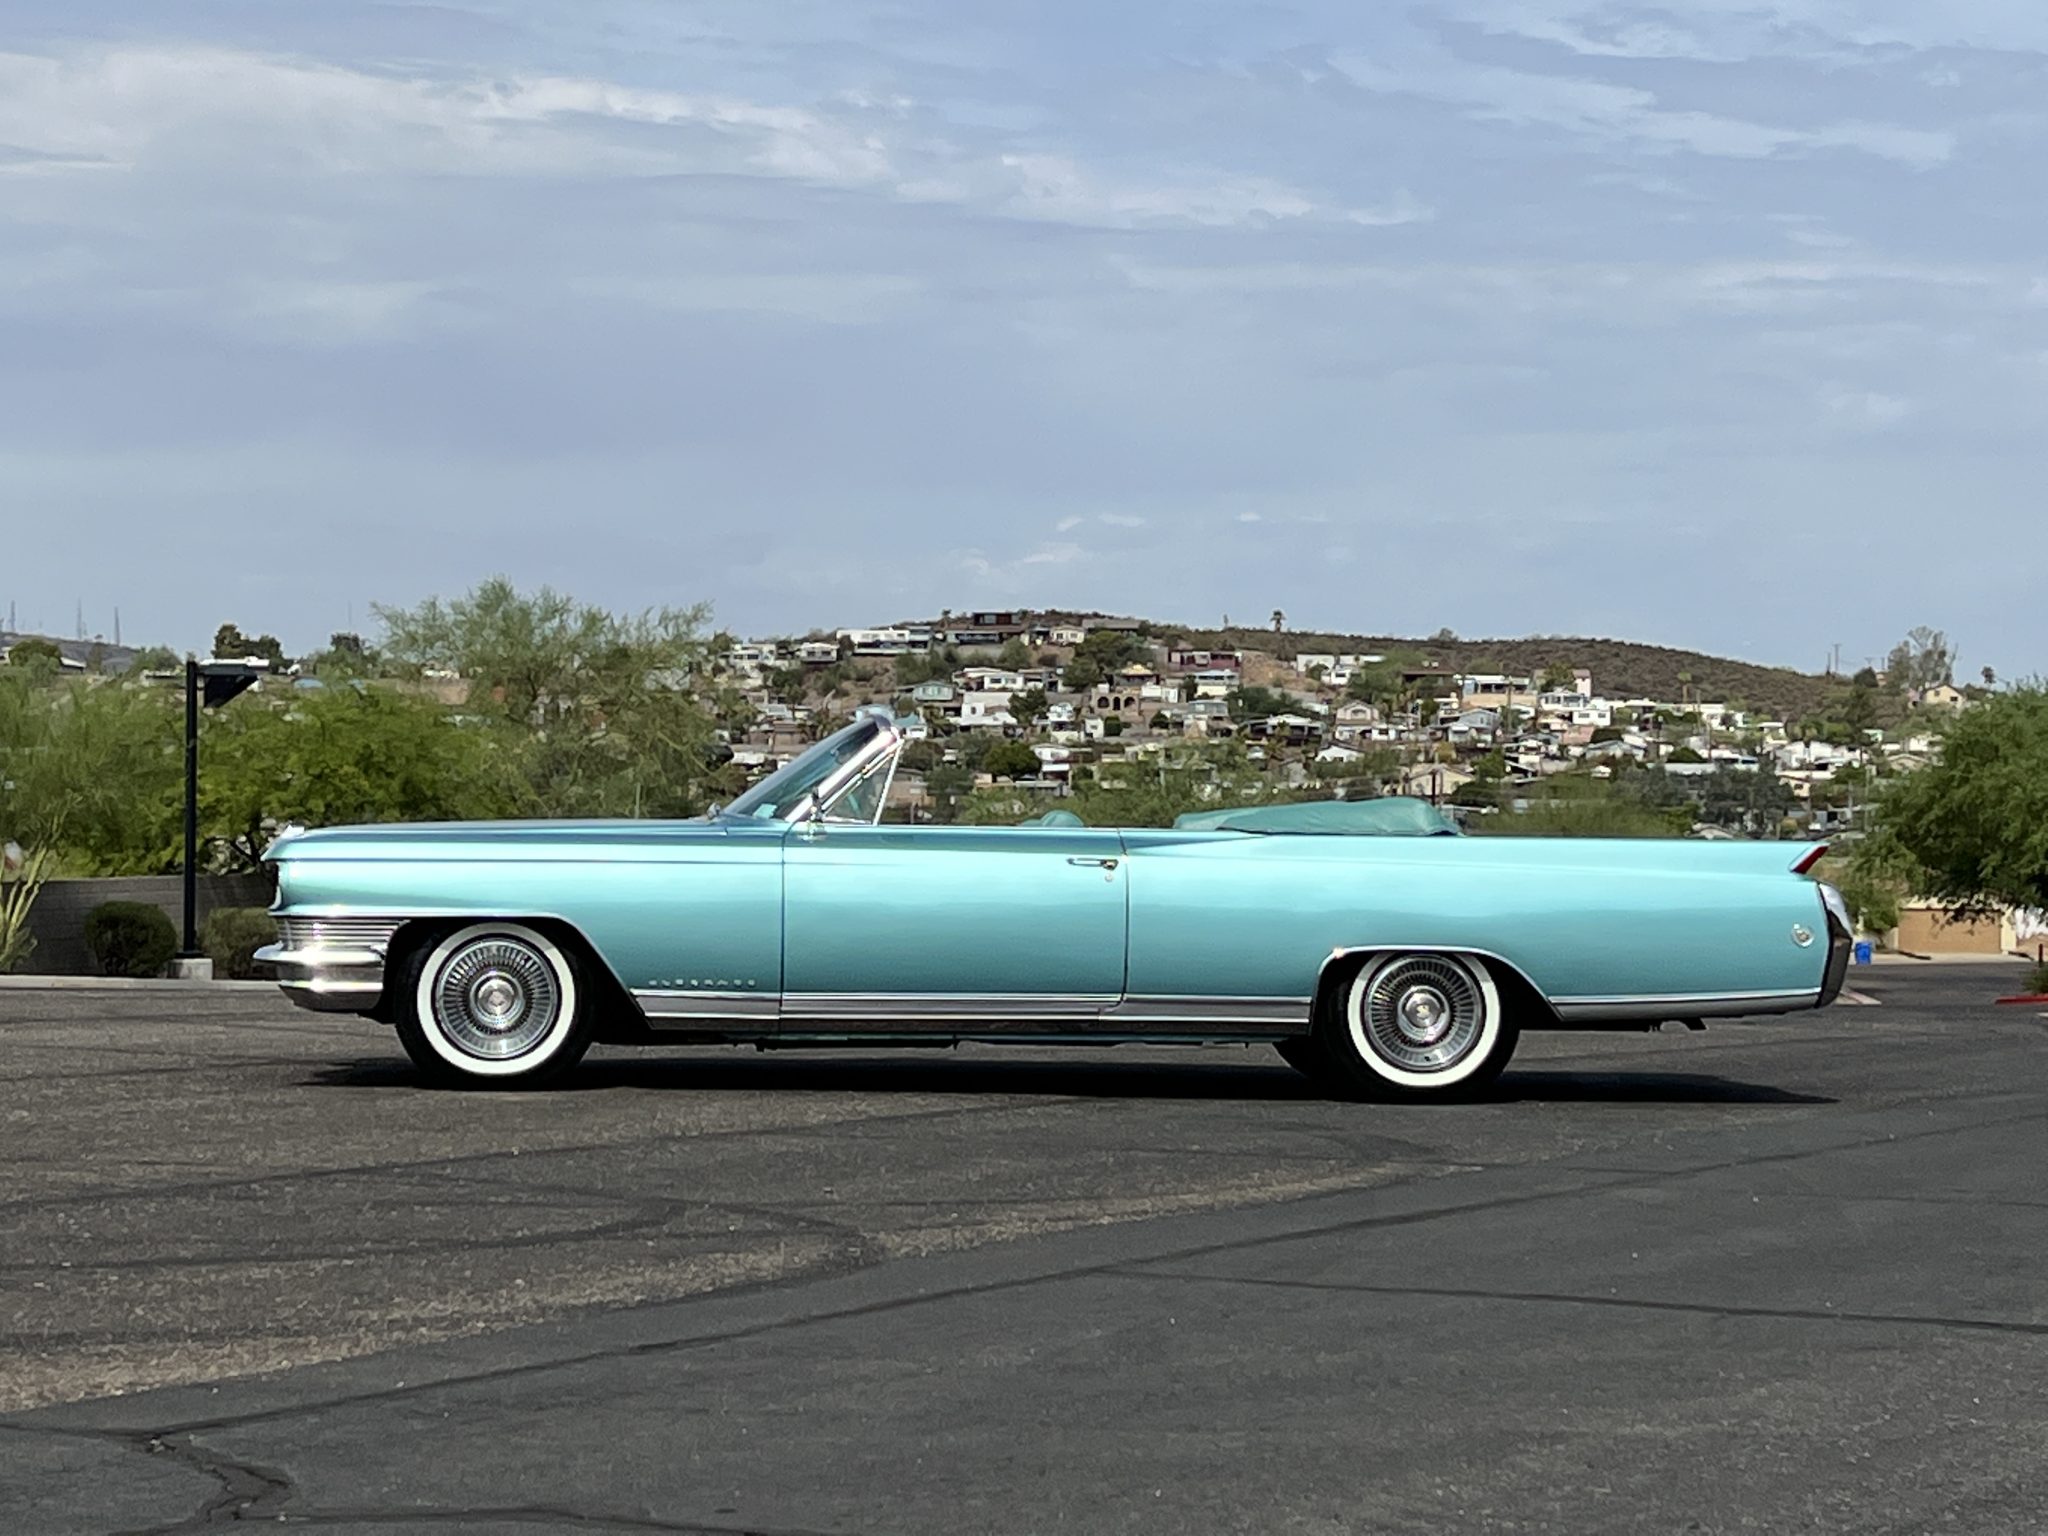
(816, 806)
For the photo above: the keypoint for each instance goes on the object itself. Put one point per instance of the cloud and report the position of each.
(138, 107)
(1865, 410)
(1607, 112)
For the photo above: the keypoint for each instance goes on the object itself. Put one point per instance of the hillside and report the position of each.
(1620, 668)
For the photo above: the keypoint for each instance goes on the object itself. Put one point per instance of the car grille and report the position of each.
(336, 932)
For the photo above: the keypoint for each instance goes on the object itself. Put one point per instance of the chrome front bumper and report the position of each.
(327, 977)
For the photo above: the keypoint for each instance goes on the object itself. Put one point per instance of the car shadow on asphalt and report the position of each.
(774, 1072)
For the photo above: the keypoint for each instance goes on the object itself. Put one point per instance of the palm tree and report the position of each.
(1279, 621)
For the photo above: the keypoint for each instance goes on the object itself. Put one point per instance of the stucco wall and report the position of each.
(58, 918)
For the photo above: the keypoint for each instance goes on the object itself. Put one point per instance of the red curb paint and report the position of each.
(2035, 998)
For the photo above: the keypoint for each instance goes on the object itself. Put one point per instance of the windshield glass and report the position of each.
(775, 796)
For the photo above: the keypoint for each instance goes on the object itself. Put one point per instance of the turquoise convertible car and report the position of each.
(1378, 950)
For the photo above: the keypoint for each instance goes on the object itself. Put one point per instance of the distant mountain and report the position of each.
(1620, 668)
(100, 655)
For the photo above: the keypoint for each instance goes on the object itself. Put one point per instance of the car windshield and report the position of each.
(790, 785)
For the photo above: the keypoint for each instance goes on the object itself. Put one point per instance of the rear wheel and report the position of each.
(1416, 1025)
(493, 1005)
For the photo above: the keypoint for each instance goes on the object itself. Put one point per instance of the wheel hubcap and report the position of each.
(496, 999)
(1424, 1013)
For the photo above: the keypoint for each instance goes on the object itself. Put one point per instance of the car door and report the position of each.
(903, 928)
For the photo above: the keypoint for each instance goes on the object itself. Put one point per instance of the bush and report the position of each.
(130, 938)
(232, 937)
(2037, 980)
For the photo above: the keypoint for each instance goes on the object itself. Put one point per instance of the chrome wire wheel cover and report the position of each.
(496, 998)
(1421, 1014)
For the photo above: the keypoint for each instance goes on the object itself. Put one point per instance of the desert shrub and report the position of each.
(2037, 980)
(130, 938)
(232, 937)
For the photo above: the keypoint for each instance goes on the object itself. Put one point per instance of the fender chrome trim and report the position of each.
(1698, 1005)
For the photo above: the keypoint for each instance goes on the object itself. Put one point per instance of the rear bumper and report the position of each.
(327, 978)
(1840, 943)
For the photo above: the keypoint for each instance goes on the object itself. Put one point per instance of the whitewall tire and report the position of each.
(493, 1004)
(1418, 1024)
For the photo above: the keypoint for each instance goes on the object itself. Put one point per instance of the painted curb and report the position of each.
(126, 984)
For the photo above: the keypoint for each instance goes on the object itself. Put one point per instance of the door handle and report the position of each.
(1091, 863)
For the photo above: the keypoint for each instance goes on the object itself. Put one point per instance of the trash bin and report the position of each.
(1863, 951)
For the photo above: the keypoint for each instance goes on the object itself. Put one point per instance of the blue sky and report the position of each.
(1722, 326)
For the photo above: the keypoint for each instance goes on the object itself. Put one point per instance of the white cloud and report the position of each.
(1619, 114)
(1121, 519)
(1066, 525)
(1865, 410)
(136, 105)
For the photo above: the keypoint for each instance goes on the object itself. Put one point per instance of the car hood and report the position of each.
(458, 840)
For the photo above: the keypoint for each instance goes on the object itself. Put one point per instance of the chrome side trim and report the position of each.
(707, 1004)
(1706, 1005)
(999, 1015)
(1286, 1015)
(934, 1007)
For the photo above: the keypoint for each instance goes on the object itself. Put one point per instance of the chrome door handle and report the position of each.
(1089, 863)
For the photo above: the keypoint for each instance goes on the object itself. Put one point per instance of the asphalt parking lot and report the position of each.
(1774, 1277)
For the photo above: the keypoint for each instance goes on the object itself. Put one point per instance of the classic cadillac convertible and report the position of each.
(1378, 950)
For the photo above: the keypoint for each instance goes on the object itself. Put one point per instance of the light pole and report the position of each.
(213, 683)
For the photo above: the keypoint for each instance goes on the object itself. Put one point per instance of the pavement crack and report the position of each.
(247, 1491)
(1579, 1299)
(547, 1516)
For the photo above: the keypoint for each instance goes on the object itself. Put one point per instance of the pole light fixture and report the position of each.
(211, 683)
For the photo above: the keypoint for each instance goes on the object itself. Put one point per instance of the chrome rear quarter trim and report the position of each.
(1711, 1005)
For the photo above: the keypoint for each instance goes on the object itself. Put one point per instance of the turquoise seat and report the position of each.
(1054, 819)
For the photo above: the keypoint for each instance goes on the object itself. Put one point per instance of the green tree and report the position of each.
(1484, 787)
(1028, 706)
(1011, 760)
(1252, 703)
(1975, 823)
(35, 654)
(91, 775)
(1110, 649)
(154, 658)
(948, 784)
(1015, 654)
(614, 714)
(349, 754)
(1924, 659)
(229, 640)
(1745, 800)
(930, 666)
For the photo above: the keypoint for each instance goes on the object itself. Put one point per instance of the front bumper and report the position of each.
(327, 978)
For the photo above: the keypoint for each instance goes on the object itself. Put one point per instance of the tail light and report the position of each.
(1808, 859)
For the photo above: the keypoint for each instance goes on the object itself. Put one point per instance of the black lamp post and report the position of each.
(214, 683)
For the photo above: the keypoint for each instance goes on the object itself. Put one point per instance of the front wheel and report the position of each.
(494, 1005)
(1417, 1026)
